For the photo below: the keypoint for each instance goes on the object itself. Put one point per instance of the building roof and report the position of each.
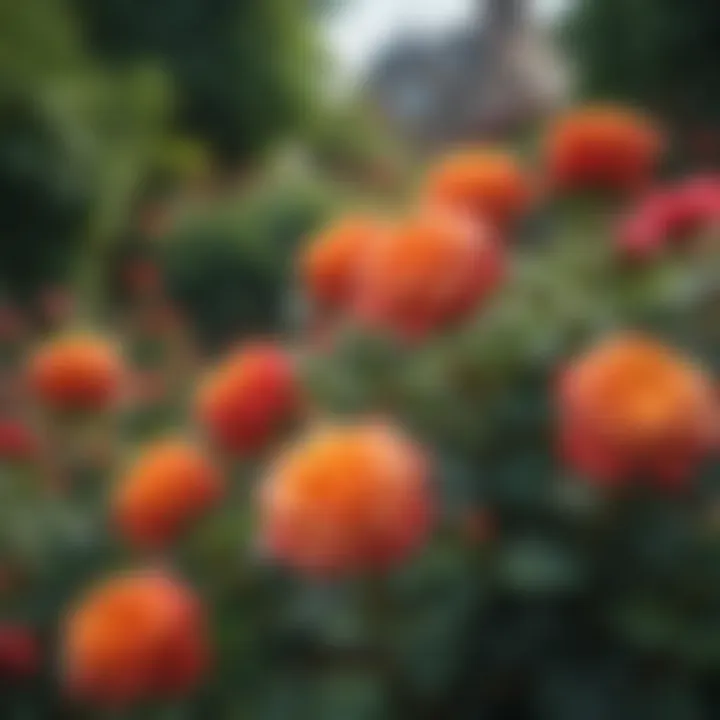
(463, 83)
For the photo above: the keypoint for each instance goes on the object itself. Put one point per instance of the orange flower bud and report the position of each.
(246, 401)
(76, 373)
(169, 486)
(346, 498)
(631, 408)
(134, 637)
(602, 148)
(487, 184)
(329, 263)
(432, 270)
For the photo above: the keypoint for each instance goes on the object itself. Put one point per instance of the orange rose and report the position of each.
(432, 270)
(346, 498)
(329, 262)
(169, 486)
(134, 637)
(246, 401)
(487, 184)
(602, 148)
(75, 373)
(631, 408)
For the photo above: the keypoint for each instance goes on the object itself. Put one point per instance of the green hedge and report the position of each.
(45, 199)
(229, 265)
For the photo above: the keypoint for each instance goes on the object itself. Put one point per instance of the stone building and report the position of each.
(486, 78)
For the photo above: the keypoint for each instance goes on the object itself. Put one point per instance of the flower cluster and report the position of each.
(359, 497)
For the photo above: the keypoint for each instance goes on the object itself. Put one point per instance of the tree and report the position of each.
(227, 265)
(662, 54)
(74, 142)
(242, 70)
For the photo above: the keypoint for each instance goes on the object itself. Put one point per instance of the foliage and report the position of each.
(663, 55)
(242, 71)
(39, 42)
(540, 594)
(75, 142)
(350, 142)
(45, 201)
(578, 594)
(228, 264)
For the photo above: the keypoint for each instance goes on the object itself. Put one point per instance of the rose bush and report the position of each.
(489, 487)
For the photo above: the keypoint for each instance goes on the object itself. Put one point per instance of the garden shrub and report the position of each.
(45, 199)
(229, 265)
(663, 55)
(510, 511)
(230, 92)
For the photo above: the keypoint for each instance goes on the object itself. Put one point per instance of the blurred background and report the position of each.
(214, 133)
(160, 163)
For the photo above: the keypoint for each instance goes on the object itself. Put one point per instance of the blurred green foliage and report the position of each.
(100, 99)
(243, 71)
(229, 263)
(75, 139)
(349, 142)
(45, 200)
(660, 54)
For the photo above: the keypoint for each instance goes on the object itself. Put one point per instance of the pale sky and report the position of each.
(365, 26)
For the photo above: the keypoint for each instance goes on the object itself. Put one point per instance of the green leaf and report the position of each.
(536, 566)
